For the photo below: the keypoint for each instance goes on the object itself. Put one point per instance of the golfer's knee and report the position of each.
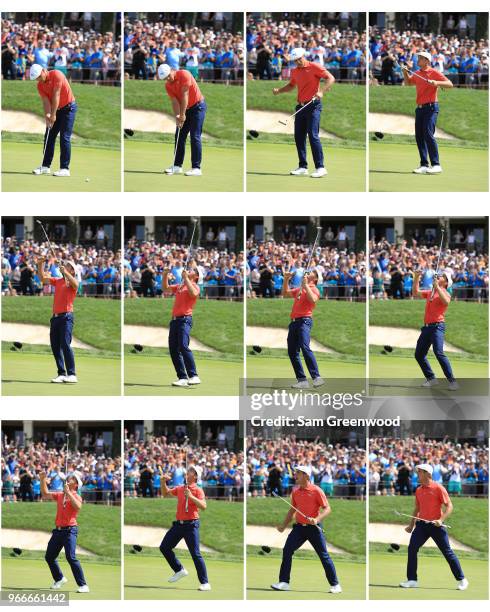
(49, 557)
(71, 558)
(164, 548)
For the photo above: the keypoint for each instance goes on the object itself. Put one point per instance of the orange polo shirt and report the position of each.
(309, 500)
(182, 79)
(303, 307)
(56, 79)
(66, 514)
(193, 513)
(430, 498)
(426, 93)
(184, 301)
(63, 296)
(435, 309)
(307, 80)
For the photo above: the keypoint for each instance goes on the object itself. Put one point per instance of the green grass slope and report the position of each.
(224, 118)
(98, 120)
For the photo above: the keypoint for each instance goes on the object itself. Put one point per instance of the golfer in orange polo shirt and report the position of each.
(306, 78)
(426, 80)
(60, 110)
(432, 508)
(64, 535)
(432, 333)
(189, 108)
(186, 295)
(62, 321)
(305, 300)
(186, 526)
(312, 503)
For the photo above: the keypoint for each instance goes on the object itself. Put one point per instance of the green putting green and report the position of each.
(30, 374)
(268, 167)
(389, 366)
(101, 166)
(152, 375)
(144, 163)
(20, 575)
(266, 367)
(391, 165)
(307, 579)
(434, 575)
(146, 578)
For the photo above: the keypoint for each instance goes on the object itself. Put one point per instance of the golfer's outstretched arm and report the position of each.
(74, 501)
(288, 518)
(45, 494)
(326, 83)
(163, 486)
(286, 291)
(188, 283)
(165, 280)
(312, 297)
(416, 284)
(406, 76)
(323, 513)
(72, 281)
(284, 89)
(40, 271)
(442, 293)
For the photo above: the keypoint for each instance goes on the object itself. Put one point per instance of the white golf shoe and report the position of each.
(281, 586)
(179, 575)
(193, 172)
(434, 170)
(336, 588)
(409, 584)
(319, 172)
(72, 379)
(430, 382)
(62, 172)
(205, 587)
(182, 382)
(421, 170)
(42, 170)
(299, 172)
(463, 584)
(301, 384)
(173, 170)
(194, 380)
(453, 386)
(58, 584)
(83, 589)
(59, 379)
(318, 382)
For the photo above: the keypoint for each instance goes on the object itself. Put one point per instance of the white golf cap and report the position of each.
(77, 478)
(425, 54)
(35, 71)
(425, 467)
(297, 53)
(163, 71)
(449, 278)
(197, 469)
(303, 468)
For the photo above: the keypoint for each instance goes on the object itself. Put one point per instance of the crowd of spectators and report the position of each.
(339, 469)
(341, 271)
(93, 463)
(81, 53)
(97, 267)
(463, 60)
(392, 268)
(339, 48)
(209, 54)
(146, 461)
(220, 269)
(462, 468)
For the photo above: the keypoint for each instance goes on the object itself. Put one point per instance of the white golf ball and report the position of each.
(87, 180)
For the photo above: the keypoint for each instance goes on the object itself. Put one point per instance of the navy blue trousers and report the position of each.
(433, 335)
(189, 531)
(67, 539)
(193, 125)
(307, 124)
(296, 538)
(420, 535)
(299, 341)
(425, 127)
(178, 344)
(65, 118)
(60, 336)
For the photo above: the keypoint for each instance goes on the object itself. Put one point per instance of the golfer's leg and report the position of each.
(430, 130)
(169, 542)
(184, 132)
(418, 538)
(300, 131)
(438, 348)
(184, 350)
(313, 120)
(317, 540)
(419, 136)
(55, 341)
(423, 345)
(66, 338)
(191, 538)
(196, 132)
(294, 349)
(55, 545)
(173, 347)
(295, 540)
(308, 354)
(66, 131)
(70, 553)
(440, 537)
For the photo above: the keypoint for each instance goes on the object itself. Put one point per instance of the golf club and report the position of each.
(66, 463)
(274, 494)
(175, 150)
(298, 111)
(46, 136)
(50, 246)
(420, 519)
(186, 470)
(190, 248)
(411, 72)
(318, 230)
(438, 262)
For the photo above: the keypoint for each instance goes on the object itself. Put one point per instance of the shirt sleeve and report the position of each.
(56, 79)
(320, 71)
(444, 495)
(186, 78)
(199, 493)
(173, 288)
(437, 76)
(175, 491)
(322, 498)
(54, 281)
(425, 293)
(295, 292)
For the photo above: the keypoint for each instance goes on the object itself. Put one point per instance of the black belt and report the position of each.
(425, 105)
(186, 522)
(60, 314)
(66, 106)
(196, 104)
(301, 319)
(181, 318)
(65, 528)
(433, 324)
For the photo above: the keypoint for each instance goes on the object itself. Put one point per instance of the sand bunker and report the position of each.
(19, 121)
(157, 337)
(150, 537)
(27, 539)
(276, 337)
(388, 533)
(269, 536)
(150, 121)
(33, 334)
(268, 121)
(401, 337)
(399, 124)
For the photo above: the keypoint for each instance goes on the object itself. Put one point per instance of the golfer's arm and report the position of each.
(45, 494)
(310, 295)
(446, 84)
(71, 279)
(286, 88)
(326, 83)
(192, 290)
(165, 280)
(184, 103)
(406, 77)
(56, 100)
(415, 513)
(175, 105)
(286, 291)
(42, 276)
(165, 490)
(324, 512)
(416, 287)
(447, 510)
(200, 503)
(289, 518)
(443, 295)
(75, 503)
(46, 105)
